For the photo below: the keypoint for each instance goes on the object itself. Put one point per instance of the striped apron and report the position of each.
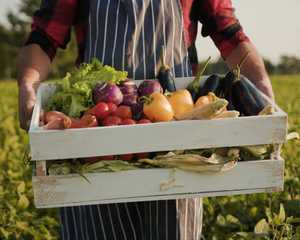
(129, 35)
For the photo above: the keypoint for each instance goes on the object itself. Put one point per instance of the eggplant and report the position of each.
(225, 89)
(165, 76)
(241, 94)
(194, 86)
(211, 84)
(246, 98)
(260, 100)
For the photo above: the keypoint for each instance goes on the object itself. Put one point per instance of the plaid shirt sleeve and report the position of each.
(219, 22)
(52, 25)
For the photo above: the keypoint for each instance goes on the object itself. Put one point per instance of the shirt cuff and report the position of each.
(228, 39)
(47, 45)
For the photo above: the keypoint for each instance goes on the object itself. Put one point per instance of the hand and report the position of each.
(27, 98)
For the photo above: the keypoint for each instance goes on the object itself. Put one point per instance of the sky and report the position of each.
(272, 25)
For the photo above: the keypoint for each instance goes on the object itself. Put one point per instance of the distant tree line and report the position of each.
(13, 36)
(286, 65)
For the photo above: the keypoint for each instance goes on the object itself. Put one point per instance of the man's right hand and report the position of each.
(27, 98)
(34, 65)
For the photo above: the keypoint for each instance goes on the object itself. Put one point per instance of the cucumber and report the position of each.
(194, 86)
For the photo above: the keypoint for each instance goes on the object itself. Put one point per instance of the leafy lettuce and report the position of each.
(74, 92)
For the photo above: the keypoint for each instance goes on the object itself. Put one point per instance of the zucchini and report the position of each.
(194, 86)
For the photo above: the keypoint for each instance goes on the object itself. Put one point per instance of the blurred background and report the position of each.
(274, 27)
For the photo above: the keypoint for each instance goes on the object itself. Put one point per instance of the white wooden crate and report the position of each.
(144, 184)
(176, 135)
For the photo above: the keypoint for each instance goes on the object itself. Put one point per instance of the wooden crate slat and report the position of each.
(144, 184)
(76, 143)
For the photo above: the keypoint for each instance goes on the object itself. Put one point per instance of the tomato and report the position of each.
(101, 110)
(123, 112)
(128, 121)
(89, 121)
(112, 108)
(111, 121)
(126, 157)
(86, 121)
(143, 120)
(158, 108)
(181, 101)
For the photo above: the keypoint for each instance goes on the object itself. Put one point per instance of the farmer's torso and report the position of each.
(129, 35)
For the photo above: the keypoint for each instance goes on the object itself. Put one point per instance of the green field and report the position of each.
(224, 218)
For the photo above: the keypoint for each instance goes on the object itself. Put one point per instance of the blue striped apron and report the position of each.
(129, 35)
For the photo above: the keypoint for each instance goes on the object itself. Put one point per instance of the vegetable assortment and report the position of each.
(98, 95)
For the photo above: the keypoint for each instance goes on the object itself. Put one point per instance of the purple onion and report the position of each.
(128, 87)
(130, 99)
(148, 87)
(107, 92)
(129, 90)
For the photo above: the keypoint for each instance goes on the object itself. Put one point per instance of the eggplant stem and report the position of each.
(200, 73)
(245, 57)
(162, 57)
(237, 69)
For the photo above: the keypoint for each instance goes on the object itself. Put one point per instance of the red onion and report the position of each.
(107, 92)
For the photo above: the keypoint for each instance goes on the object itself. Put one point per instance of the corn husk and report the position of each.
(207, 111)
(228, 114)
(60, 169)
(267, 110)
(193, 162)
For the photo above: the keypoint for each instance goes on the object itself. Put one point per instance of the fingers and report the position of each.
(26, 103)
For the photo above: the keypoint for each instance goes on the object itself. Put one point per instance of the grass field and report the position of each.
(225, 217)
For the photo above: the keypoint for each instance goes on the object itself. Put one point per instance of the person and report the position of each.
(129, 35)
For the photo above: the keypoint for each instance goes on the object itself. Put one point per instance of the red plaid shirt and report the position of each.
(53, 22)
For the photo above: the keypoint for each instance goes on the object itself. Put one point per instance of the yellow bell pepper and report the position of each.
(181, 101)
